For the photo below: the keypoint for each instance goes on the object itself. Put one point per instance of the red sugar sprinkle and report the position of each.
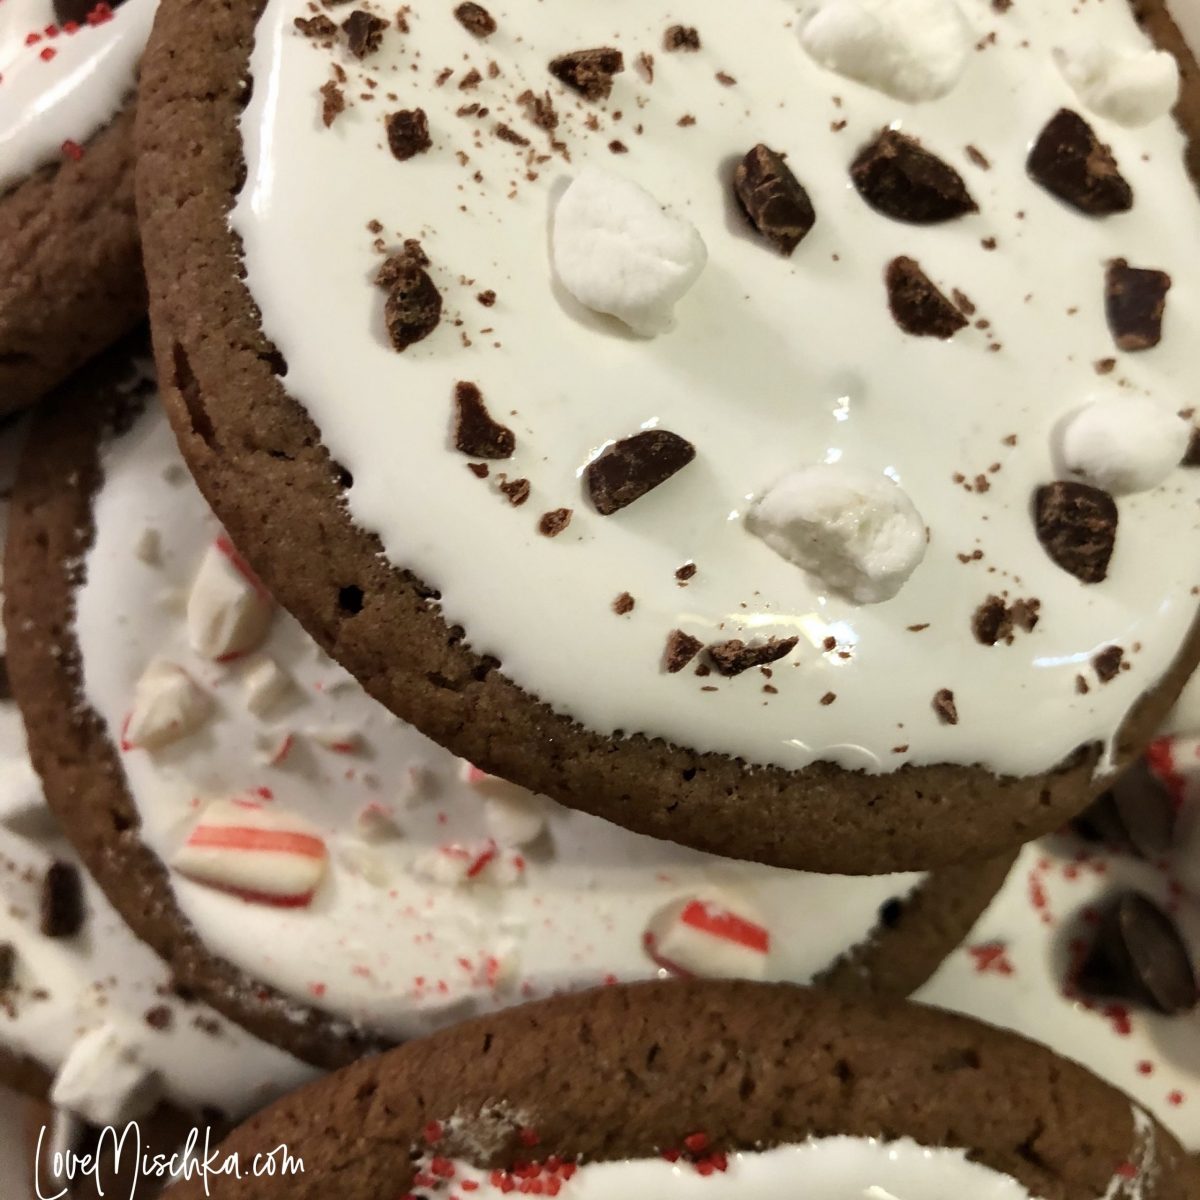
(433, 1131)
(441, 1167)
(469, 1185)
(696, 1142)
(1145, 1068)
(991, 959)
(1175, 1099)
(317, 989)
(72, 150)
(1118, 1014)
(32, 39)
(528, 1137)
(672, 1155)
(47, 53)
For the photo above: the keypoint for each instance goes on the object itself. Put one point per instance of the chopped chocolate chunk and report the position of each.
(1077, 526)
(408, 133)
(1107, 663)
(1191, 456)
(725, 79)
(681, 37)
(589, 72)
(476, 20)
(62, 901)
(992, 622)
(616, 146)
(686, 572)
(1025, 614)
(413, 308)
(333, 102)
(364, 33)
(828, 699)
(898, 177)
(1136, 815)
(978, 157)
(1071, 162)
(475, 433)
(735, 656)
(487, 299)
(507, 134)
(918, 306)
(554, 522)
(773, 198)
(1105, 366)
(681, 649)
(479, 470)
(319, 26)
(8, 965)
(1138, 955)
(944, 706)
(517, 491)
(159, 1017)
(1134, 301)
(630, 468)
(623, 604)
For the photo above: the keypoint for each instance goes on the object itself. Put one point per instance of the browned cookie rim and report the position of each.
(628, 1072)
(241, 432)
(51, 527)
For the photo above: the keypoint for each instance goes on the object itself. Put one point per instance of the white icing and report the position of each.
(72, 95)
(1130, 85)
(421, 917)
(764, 370)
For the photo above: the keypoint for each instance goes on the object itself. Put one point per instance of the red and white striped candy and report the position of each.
(228, 609)
(705, 937)
(255, 851)
(168, 704)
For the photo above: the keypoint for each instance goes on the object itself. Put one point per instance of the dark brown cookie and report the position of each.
(630, 1072)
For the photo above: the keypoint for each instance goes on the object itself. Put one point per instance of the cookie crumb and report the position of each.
(1108, 663)
(554, 522)
(487, 299)
(623, 604)
(516, 490)
(475, 432)
(364, 33)
(681, 37)
(589, 72)
(686, 572)
(333, 102)
(408, 133)
(828, 698)
(735, 656)
(680, 650)
(944, 706)
(476, 20)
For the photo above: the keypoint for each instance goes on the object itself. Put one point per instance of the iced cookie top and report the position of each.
(795, 385)
(330, 850)
(66, 67)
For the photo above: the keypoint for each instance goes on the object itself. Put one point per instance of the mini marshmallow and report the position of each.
(228, 609)
(267, 684)
(1123, 444)
(909, 49)
(857, 533)
(104, 1080)
(168, 704)
(618, 252)
(709, 938)
(262, 854)
(1130, 86)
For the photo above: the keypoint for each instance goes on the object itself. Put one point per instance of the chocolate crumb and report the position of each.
(479, 470)
(1134, 301)
(319, 26)
(1107, 664)
(1071, 162)
(917, 305)
(470, 81)
(623, 604)
(828, 698)
(413, 308)
(589, 72)
(539, 109)
(978, 157)
(918, 628)
(770, 689)
(1077, 526)
(159, 1017)
(476, 20)
(944, 706)
(992, 622)
(475, 433)
(725, 79)
(364, 33)
(773, 199)
(898, 177)
(988, 243)
(1025, 614)
(617, 147)
(408, 133)
(830, 643)
(61, 901)
(333, 102)
(517, 491)
(1081, 686)
(554, 522)
(487, 299)
(686, 121)
(8, 965)
(735, 656)
(1105, 366)
(633, 466)
(645, 66)
(507, 134)
(681, 37)
(686, 572)
(681, 649)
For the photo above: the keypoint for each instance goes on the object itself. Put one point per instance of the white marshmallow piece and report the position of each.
(267, 685)
(858, 534)
(911, 50)
(618, 252)
(256, 851)
(228, 609)
(104, 1079)
(710, 938)
(1127, 85)
(168, 704)
(1123, 444)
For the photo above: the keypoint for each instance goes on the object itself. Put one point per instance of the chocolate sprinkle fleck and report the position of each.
(1071, 162)
(978, 157)
(1134, 301)
(898, 177)
(589, 72)
(408, 133)
(623, 604)
(1107, 663)
(61, 901)
(476, 20)
(554, 522)
(944, 706)
(773, 198)
(918, 306)
(681, 37)
(628, 469)
(680, 650)
(1077, 526)
(364, 33)
(735, 656)
(475, 433)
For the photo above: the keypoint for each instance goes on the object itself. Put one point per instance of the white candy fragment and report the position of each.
(149, 547)
(515, 817)
(1130, 86)
(341, 739)
(374, 823)
(709, 938)
(267, 684)
(168, 704)
(456, 865)
(104, 1079)
(1123, 444)
(909, 49)
(256, 851)
(859, 534)
(365, 862)
(228, 609)
(274, 748)
(617, 251)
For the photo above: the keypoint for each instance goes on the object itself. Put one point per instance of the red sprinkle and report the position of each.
(47, 53)
(528, 1137)
(72, 150)
(696, 1142)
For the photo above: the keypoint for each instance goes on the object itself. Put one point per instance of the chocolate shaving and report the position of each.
(476, 20)
(623, 604)
(1107, 663)
(408, 133)
(944, 706)
(630, 468)
(413, 308)
(735, 656)
(680, 650)
(898, 177)
(589, 72)
(1135, 299)
(364, 33)
(61, 913)
(1071, 162)
(773, 198)
(554, 522)
(1136, 815)
(1077, 526)
(681, 37)
(319, 26)
(918, 305)
(475, 433)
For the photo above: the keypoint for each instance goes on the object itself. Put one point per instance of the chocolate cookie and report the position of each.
(746, 1085)
(174, 744)
(879, 734)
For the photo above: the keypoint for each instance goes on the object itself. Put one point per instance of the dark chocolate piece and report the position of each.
(408, 133)
(735, 656)
(364, 33)
(1135, 299)
(918, 306)
(1107, 663)
(62, 901)
(1077, 526)
(476, 20)
(1136, 815)
(475, 433)
(623, 604)
(898, 177)
(630, 468)
(773, 198)
(589, 72)
(1071, 162)
(681, 649)
(413, 308)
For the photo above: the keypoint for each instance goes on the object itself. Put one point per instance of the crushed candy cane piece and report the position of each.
(149, 547)
(267, 685)
(168, 704)
(228, 609)
(374, 823)
(709, 938)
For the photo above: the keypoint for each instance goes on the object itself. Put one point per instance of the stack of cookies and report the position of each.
(608, 493)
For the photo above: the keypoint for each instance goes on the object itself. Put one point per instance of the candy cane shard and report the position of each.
(261, 853)
(515, 817)
(709, 938)
(228, 609)
(168, 704)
